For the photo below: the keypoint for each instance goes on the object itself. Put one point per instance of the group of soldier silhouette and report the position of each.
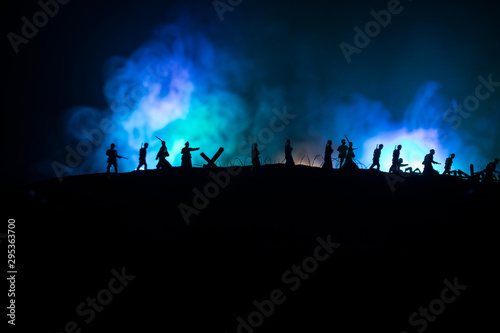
(346, 162)
(160, 157)
(397, 162)
(345, 157)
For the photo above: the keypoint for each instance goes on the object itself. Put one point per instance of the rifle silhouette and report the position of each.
(349, 141)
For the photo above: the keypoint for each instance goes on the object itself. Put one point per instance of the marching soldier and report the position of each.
(447, 164)
(376, 156)
(328, 155)
(342, 149)
(488, 172)
(112, 156)
(142, 157)
(288, 154)
(186, 155)
(255, 158)
(162, 154)
(395, 160)
(428, 162)
(349, 163)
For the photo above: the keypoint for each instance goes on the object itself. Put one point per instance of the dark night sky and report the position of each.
(293, 45)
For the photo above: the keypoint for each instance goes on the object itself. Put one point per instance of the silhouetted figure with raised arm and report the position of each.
(395, 160)
(400, 163)
(288, 155)
(255, 158)
(142, 157)
(328, 156)
(112, 156)
(342, 149)
(161, 157)
(428, 162)
(349, 163)
(186, 155)
(376, 157)
(488, 172)
(447, 164)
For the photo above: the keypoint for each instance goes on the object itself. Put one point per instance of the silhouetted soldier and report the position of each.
(376, 156)
(488, 172)
(349, 163)
(142, 157)
(255, 158)
(447, 165)
(395, 160)
(342, 149)
(161, 157)
(288, 154)
(328, 155)
(112, 156)
(186, 155)
(428, 162)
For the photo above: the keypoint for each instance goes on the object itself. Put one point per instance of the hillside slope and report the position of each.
(210, 251)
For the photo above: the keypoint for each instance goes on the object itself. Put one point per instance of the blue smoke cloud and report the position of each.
(195, 82)
(177, 86)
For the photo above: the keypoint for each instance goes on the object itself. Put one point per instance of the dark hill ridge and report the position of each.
(396, 249)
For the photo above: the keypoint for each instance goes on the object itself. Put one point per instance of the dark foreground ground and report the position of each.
(336, 252)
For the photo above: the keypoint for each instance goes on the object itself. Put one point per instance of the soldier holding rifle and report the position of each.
(428, 162)
(112, 156)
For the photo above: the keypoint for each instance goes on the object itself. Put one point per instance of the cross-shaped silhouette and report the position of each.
(211, 162)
